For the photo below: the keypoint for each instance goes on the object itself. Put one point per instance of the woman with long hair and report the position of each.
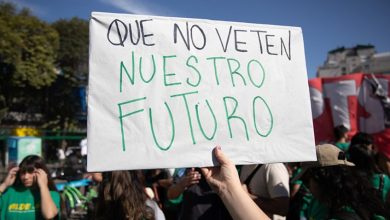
(28, 192)
(122, 196)
(365, 167)
(339, 193)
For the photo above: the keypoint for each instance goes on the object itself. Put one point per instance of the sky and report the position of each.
(326, 24)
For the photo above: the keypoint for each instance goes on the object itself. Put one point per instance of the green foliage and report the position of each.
(28, 49)
(72, 60)
(41, 68)
(73, 50)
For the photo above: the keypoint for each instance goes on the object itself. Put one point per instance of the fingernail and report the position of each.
(219, 148)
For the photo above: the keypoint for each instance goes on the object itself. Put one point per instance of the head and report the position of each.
(122, 196)
(340, 133)
(328, 155)
(362, 138)
(27, 169)
(331, 180)
(363, 158)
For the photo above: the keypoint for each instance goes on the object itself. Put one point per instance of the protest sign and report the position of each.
(163, 92)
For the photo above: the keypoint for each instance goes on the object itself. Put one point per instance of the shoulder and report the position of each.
(10, 190)
(276, 168)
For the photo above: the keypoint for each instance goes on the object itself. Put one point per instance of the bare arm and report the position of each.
(175, 190)
(48, 207)
(225, 181)
(10, 179)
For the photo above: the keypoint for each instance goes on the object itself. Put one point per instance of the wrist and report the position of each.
(42, 186)
(230, 192)
(182, 185)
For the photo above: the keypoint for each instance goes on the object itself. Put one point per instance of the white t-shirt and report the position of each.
(270, 181)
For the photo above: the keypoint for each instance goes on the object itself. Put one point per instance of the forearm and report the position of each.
(165, 182)
(3, 187)
(240, 205)
(175, 190)
(48, 207)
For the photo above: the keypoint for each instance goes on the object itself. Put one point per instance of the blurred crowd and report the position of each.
(349, 180)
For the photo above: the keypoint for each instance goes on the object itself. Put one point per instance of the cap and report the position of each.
(327, 155)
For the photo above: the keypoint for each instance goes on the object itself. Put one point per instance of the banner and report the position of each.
(358, 101)
(163, 92)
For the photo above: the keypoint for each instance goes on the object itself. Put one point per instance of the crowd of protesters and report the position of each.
(349, 180)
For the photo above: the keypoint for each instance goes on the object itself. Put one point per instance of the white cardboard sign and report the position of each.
(163, 92)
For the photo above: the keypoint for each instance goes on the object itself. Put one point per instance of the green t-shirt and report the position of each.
(318, 211)
(23, 204)
(342, 146)
(375, 181)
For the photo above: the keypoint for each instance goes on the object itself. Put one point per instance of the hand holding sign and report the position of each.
(163, 90)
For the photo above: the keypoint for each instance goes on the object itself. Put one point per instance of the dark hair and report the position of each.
(339, 131)
(362, 138)
(339, 187)
(363, 159)
(121, 196)
(32, 162)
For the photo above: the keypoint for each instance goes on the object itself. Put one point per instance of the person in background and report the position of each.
(363, 158)
(338, 194)
(268, 186)
(300, 195)
(121, 196)
(28, 192)
(363, 139)
(172, 207)
(158, 181)
(294, 168)
(383, 161)
(224, 180)
(199, 200)
(341, 137)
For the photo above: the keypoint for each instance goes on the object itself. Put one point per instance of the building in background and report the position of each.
(361, 58)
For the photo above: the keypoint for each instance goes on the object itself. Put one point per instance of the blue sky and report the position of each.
(325, 24)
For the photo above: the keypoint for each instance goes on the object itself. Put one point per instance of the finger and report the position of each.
(194, 182)
(205, 171)
(221, 157)
(14, 170)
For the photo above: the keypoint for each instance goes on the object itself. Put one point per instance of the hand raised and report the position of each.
(223, 177)
(192, 177)
(10, 179)
(41, 177)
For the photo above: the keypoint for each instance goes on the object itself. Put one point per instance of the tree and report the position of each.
(28, 49)
(72, 61)
(73, 51)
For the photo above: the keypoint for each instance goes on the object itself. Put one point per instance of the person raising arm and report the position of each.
(28, 192)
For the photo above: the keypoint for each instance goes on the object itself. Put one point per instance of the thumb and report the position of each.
(221, 157)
